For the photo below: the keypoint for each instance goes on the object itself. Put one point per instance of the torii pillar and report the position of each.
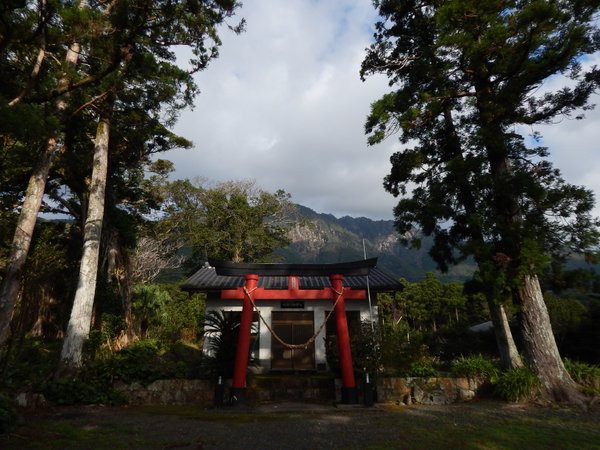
(349, 391)
(238, 383)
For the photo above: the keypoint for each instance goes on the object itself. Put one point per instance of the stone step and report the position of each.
(307, 388)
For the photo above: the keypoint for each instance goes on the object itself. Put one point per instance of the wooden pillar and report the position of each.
(349, 391)
(238, 385)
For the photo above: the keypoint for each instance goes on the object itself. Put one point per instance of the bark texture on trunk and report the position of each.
(117, 268)
(81, 315)
(509, 356)
(11, 283)
(541, 350)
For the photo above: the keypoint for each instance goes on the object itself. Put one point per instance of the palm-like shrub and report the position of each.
(475, 366)
(517, 385)
(221, 333)
(148, 301)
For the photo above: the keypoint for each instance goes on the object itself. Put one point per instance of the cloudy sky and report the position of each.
(284, 105)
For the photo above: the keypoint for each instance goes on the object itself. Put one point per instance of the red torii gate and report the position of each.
(250, 292)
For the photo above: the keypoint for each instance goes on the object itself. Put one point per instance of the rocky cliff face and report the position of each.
(325, 238)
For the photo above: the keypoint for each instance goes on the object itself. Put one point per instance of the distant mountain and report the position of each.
(325, 238)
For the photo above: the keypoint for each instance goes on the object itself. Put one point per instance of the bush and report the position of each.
(168, 314)
(141, 361)
(587, 375)
(476, 366)
(423, 369)
(30, 364)
(450, 343)
(366, 349)
(582, 372)
(82, 390)
(8, 415)
(182, 318)
(516, 385)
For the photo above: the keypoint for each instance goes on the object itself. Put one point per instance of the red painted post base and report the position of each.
(238, 381)
(237, 396)
(349, 395)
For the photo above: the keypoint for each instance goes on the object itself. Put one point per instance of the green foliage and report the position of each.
(396, 351)
(234, 221)
(427, 304)
(574, 321)
(82, 390)
(8, 415)
(476, 366)
(425, 368)
(50, 280)
(148, 301)
(450, 343)
(517, 385)
(30, 363)
(366, 348)
(461, 120)
(566, 314)
(143, 361)
(126, 71)
(430, 319)
(585, 374)
(182, 317)
(221, 334)
(465, 77)
(166, 313)
(101, 341)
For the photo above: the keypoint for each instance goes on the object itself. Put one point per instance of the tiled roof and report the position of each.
(347, 268)
(206, 279)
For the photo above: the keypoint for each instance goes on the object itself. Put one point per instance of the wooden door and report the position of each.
(294, 327)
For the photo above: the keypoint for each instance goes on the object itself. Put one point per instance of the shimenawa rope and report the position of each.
(274, 334)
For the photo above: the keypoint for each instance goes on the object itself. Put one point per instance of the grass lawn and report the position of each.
(478, 425)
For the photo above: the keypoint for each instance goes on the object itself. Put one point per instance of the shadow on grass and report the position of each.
(485, 425)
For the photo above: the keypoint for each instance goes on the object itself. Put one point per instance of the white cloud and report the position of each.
(284, 105)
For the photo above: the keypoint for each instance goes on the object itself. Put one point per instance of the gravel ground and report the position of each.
(294, 426)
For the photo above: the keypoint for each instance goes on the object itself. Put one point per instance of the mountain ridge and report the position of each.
(321, 237)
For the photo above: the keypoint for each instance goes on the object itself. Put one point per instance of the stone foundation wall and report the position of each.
(169, 392)
(428, 391)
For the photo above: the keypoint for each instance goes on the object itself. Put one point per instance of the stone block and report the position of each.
(168, 392)
(465, 395)
(30, 400)
(417, 394)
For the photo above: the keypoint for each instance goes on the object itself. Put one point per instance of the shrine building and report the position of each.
(287, 310)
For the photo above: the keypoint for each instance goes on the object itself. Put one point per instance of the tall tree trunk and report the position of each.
(117, 268)
(9, 289)
(509, 356)
(541, 350)
(144, 328)
(11, 284)
(81, 315)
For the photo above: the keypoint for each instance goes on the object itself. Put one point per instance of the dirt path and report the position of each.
(477, 425)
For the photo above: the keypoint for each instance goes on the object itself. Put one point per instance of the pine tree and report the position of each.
(466, 74)
(150, 84)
